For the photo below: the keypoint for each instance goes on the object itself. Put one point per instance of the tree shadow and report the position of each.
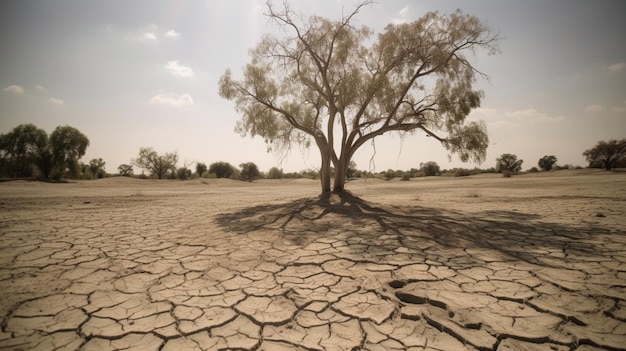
(513, 234)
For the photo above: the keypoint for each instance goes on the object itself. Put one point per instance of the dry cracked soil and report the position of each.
(532, 262)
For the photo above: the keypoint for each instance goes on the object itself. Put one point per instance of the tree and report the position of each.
(249, 171)
(183, 173)
(125, 170)
(68, 146)
(607, 153)
(19, 149)
(275, 173)
(351, 171)
(96, 166)
(200, 168)
(157, 165)
(221, 169)
(508, 163)
(547, 162)
(430, 168)
(331, 83)
(27, 146)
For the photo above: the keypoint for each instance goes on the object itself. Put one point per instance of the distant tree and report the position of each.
(96, 166)
(249, 171)
(430, 168)
(275, 173)
(68, 146)
(200, 168)
(125, 170)
(183, 173)
(27, 146)
(221, 169)
(606, 153)
(509, 163)
(157, 165)
(389, 174)
(19, 149)
(351, 171)
(547, 162)
(336, 85)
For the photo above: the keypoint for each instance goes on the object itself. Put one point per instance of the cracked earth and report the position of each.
(535, 262)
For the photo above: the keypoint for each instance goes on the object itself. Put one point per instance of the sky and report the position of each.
(144, 73)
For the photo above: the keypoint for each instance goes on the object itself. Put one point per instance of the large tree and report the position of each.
(333, 83)
(607, 153)
(508, 163)
(547, 162)
(27, 146)
(157, 165)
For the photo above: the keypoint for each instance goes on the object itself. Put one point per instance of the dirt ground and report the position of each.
(532, 262)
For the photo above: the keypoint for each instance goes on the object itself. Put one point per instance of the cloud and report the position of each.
(172, 99)
(595, 108)
(532, 115)
(15, 89)
(56, 101)
(148, 36)
(172, 34)
(179, 70)
(617, 67)
(402, 16)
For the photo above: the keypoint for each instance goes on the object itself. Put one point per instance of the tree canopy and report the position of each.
(337, 85)
(157, 165)
(547, 162)
(509, 163)
(27, 148)
(607, 153)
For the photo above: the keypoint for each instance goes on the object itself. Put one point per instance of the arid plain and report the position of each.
(532, 262)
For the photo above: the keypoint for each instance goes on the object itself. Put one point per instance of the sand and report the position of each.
(532, 262)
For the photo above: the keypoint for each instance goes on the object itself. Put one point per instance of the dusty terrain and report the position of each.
(533, 262)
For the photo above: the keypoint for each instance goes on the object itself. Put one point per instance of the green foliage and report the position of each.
(411, 77)
(27, 148)
(157, 165)
(508, 162)
(547, 162)
(249, 171)
(430, 168)
(125, 170)
(607, 154)
(221, 169)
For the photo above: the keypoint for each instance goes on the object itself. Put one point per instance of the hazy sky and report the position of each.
(144, 73)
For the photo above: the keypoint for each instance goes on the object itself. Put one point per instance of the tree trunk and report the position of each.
(325, 168)
(340, 176)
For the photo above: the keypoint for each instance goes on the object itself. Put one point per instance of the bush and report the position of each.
(507, 174)
(430, 168)
(222, 169)
(406, 176)
(462, 172)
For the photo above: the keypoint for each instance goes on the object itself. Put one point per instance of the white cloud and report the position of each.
(15, 89)
(594, 108)
(57, 102)
(179, 70)
(40, 88)
(532, 115)
(617, 67)
(148, 36)
(402, 16)
(172, 34)
(172, 99)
